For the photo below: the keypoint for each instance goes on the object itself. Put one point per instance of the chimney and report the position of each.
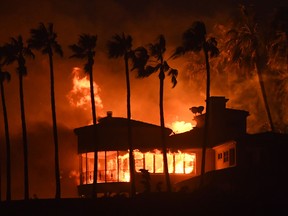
(109, 113)
(217, 104)
(217, 111)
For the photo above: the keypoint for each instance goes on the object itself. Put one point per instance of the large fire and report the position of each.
(182, 126)
(79, 96)
(113, 166)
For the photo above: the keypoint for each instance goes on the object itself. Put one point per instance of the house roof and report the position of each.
(112, 134)
(186, 140)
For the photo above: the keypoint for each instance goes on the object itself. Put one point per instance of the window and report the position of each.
(219, 156)
(178, 162)
(226, 156)
(113, 166)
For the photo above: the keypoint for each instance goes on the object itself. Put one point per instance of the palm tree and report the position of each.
(194, 39)
(4, 75)
(279, 24)
(157, 51)
(248, 49)
(85, 49)
(16, 51)
(44, 39)
(121, 46)
(278, 63)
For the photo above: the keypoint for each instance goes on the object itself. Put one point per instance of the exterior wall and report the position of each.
(210, 160)
(225, 155)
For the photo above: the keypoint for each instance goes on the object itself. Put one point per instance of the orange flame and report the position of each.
(79, 96)
(182, 126)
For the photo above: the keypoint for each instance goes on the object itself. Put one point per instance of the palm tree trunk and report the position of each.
(57, 169)
(286, 50)
(8, 151)
(131, 156)
(95, 171)
(92, 98)
(207, 118)
(24, 137)
(259, 68)
(163, 135)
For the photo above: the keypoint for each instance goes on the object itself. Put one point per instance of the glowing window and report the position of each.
(149, 162)
(139, 160)
(113, 166)
(158, 163)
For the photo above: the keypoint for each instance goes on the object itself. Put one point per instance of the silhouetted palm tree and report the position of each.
(248, 49)
(278, 63)
(279, 46)
(157, 63)
(194, 39)
(4, 75)
(44, 39)
(16, 51)
(121, 46)
(85, 49)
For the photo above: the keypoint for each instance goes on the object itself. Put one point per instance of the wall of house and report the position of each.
(209, 160)
(225, 155)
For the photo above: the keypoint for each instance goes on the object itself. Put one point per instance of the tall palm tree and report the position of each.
(158, 63)
(16, 51)
(85, 49)
(43, 38)
(4, 75)
(121, 46)
(194, 39)
(247, 47)
(279, 46)
(278, 63)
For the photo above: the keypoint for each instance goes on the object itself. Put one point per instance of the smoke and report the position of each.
(41, 162)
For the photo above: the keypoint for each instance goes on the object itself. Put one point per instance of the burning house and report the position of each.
(227, 150)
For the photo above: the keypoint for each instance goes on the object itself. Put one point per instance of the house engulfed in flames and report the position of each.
(226, 150)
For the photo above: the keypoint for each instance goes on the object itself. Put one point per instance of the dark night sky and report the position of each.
(144, 20)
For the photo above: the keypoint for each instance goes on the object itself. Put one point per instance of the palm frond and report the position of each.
(173, 73)
(39, 37)
(28, 52)
(119, 45)
(147, 71)
(4, 75)
(87, 42)
(44, 39)
(165, 66)
(139, 58)
(57, 48)
(9, 54)
(212, 47)
(78, 52)
(194, 37)
(179, 51)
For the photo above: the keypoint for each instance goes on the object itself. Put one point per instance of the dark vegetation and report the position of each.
(209, 202)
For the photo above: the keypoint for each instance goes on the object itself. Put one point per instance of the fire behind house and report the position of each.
(231, 153)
